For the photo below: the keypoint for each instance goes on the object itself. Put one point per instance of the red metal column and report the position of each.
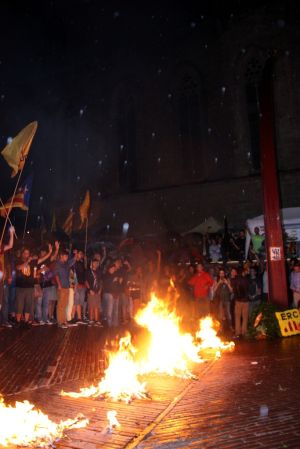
(273, 228)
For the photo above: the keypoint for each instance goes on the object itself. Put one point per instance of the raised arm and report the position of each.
(55, 254)
(42, 259)
(10, 243)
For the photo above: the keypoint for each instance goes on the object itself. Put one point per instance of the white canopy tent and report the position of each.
(290, 221)
(209, 225)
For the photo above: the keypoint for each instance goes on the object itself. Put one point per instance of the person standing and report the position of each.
(254, 290)
(49, 295)
(238, 246)
(222, 298)
(5, 278)
(94, 287)
(214, 250)
(257, 241)
(26, 271)
(295, 285)
(62, 277)
(201, 283)
(241, 308)
(79, 287)
(111, 294)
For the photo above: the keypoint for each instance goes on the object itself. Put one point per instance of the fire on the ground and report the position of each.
(167, 351)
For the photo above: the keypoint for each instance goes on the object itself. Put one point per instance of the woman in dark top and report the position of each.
(94, 286)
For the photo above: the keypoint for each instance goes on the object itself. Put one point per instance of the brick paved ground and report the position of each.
(220, 410)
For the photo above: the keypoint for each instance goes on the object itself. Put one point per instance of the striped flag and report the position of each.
(21, 198)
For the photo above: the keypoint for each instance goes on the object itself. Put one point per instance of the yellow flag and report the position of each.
(16, 151)
(68, 224)
(84, 207)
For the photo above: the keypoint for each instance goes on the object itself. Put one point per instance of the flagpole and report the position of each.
(25, 225)
(11, 203)
(4, 208)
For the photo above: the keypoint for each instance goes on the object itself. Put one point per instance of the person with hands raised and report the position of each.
(26, 273)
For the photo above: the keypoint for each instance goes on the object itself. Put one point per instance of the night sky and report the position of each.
(52, 52)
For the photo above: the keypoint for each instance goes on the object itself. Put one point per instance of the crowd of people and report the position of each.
(54, 285)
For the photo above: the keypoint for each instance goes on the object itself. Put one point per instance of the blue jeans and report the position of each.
(45, 303)
(111, 309)
(38, 308)
(12, 299)
(126, 306)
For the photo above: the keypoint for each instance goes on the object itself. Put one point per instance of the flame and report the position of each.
(120, 380)
(112, 420)
(169, 350)
(209, 339)
(24, 425)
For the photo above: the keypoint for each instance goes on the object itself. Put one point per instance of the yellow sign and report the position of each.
(289, 322)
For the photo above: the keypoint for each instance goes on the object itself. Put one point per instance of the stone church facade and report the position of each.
(179, 141)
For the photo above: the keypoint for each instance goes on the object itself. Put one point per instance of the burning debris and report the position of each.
(112, 421)
(24, 425)
(207, 335)
(168, 351)
(120, 381)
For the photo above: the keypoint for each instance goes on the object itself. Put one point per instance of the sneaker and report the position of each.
(35, 323)
(72, 321)
(7, 325)
(91, 322)
(63, 326)
(42, 323)
(49, 323)
(71, 324)
(99, 324)
(80, 322)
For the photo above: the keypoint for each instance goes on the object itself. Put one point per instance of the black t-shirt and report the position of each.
(240, 242)
(122, 274)
(94, 280)
(111, 284)
(25, 276)
(241, 288)
(80, 272)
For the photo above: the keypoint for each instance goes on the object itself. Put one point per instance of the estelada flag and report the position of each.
(84, 207)
(68, 224)
(21, 198)
(16, 151)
